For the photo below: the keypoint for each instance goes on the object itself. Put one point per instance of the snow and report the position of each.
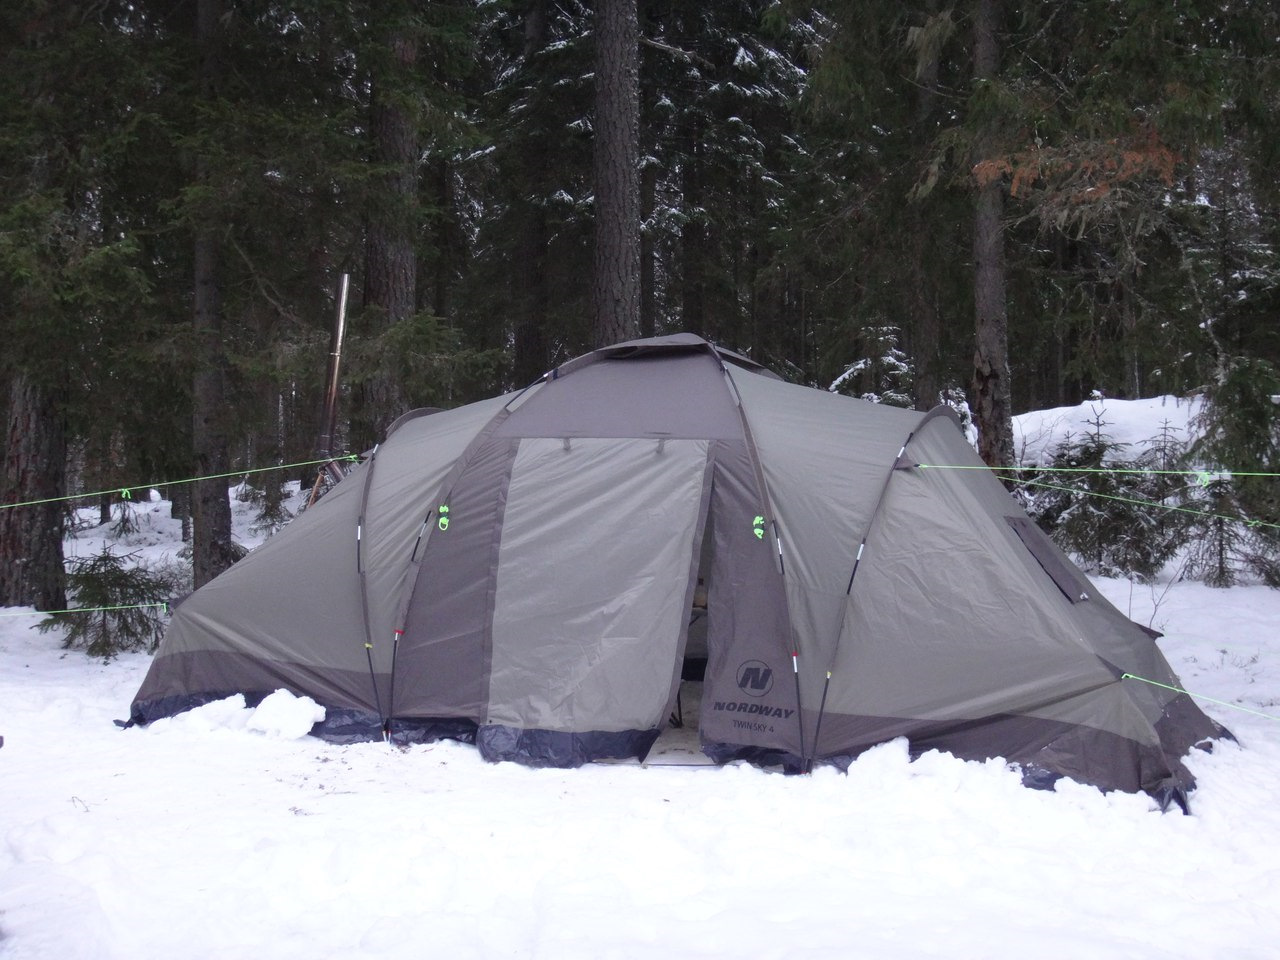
(224, 832)
(1131, 422)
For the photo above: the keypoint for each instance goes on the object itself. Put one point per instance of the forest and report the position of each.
(1001, 206)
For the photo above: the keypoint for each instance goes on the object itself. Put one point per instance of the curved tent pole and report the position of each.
(364, 584)
(772, 522)
(442, 500)
(440, 508)
(899, 463)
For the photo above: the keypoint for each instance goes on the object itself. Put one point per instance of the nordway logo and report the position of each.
(755, 678)
(756, 709)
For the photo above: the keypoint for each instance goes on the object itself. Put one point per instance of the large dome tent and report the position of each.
(522, 572)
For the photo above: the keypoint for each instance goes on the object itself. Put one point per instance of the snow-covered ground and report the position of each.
(226, 832)
(1130, 424)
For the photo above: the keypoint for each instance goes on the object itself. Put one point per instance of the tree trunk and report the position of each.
(531, 352)
(692, 234)
(390, 259)
(180, 508)
(531, 355)
(992, 406)
(648, 253)
(450, 243)
(924, 323)
(35, 462)
(211, 550)
(616, 268)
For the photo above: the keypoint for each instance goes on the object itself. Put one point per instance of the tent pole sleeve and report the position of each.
(363, 580)
(857, 562)
(414, 568)
(766, 509)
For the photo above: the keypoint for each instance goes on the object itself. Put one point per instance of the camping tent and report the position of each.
(522, 572)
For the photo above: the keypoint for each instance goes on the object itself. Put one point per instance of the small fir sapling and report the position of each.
(125, 605)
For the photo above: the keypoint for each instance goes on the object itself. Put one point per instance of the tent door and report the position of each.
(693, 662)
(593, 582)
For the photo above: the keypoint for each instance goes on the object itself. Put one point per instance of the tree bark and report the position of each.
(530, 354)
(211, 549)
(391, 278)
(34, 468)
(924, 325)
(648, 253)
(692, 234)
(616, 266)
(992, 403)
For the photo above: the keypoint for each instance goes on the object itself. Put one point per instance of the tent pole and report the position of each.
(817, 727)
(769, 518)
(364, 584)
(413, 568)
(391, 693)
(857, 561)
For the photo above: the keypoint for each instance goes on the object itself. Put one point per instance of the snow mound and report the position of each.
(285, 717)
(1133, 423)
(228, 714)
(280, 716)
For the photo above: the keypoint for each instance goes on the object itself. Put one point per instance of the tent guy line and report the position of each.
(1201, 696)
(53, 613)
(126, 492)
(1208, 515)
(1204, 476)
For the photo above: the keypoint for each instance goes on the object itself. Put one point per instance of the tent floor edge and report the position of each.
(561, 749)
(765, 757)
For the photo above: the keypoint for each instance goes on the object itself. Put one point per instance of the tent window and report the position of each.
(1073, 586)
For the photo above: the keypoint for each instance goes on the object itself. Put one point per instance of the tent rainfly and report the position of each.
(521, 572)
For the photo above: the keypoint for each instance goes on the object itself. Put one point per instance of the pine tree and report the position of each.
(125, 605)
(883, 374)
(1239, 436)
(1107, 508)
(212, 549)
(992, 390)
(524, 289)
(615, 274)
(72, 292)
(726, 170)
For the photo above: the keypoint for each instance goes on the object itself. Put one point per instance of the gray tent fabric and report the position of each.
(520, 573)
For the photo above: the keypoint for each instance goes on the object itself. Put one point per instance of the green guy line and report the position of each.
(126, 493)
(1201, 474)
(1151, 503)
(50, 613)
(1200, 696)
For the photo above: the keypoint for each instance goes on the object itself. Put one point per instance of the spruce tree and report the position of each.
(73, 108)
(1107, 508)
(1239, 448)
(615, 273)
